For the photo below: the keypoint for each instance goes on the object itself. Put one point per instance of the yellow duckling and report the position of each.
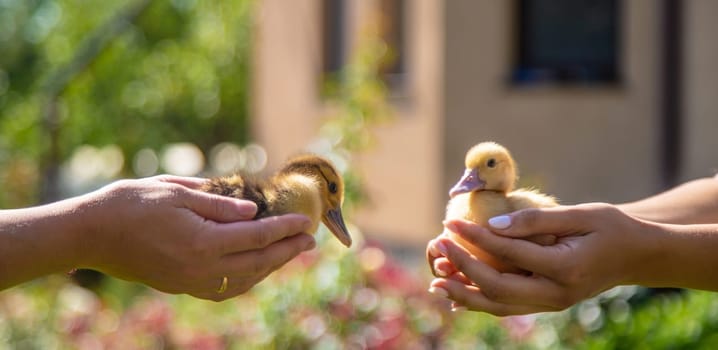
(307, 184)
(487, 190)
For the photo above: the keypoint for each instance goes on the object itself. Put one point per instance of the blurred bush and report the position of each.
(334, 298)
(173, 71)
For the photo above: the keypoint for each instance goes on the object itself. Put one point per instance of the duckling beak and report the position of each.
(469, 182)
(335, 222)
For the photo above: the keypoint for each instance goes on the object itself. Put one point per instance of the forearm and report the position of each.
(694, 202)
(682, 256)
(41, 240)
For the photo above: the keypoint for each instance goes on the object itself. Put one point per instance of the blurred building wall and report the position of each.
(700, 94)
(286, 109)
(402, 171)
(580, 143)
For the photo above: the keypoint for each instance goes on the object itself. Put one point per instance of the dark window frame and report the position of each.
(334, 49)
(333, 36)
(394, 34)
(541, 59)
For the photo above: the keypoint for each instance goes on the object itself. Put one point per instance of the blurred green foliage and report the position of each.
(177, 72)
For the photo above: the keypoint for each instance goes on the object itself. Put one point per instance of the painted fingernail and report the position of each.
(438, 291)
(500, 222)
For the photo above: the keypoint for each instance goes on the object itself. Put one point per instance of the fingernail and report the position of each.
(306, 225)
(310, 245)
(439, 291)
(439, 271)
(450, 226)
(435, 253)
(247, 209)
(441, 247)
(458, 308)
(500, 222)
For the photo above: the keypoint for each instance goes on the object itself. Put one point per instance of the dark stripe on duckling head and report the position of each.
(308, 165)
(319, 170)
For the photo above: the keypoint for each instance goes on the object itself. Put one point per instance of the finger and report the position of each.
(262, 262)
(503, 287)
(543, 239)
(190, 182)
(472, 298)
(432, 252)
(219, 208)
(443, 267)
(256, 234)
(287, 249)
(559, 221)
(212, 287)
(544, 260)
(460, 277)
(238, 286)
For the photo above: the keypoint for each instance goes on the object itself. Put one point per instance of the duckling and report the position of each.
(306, 184)
(487, 190)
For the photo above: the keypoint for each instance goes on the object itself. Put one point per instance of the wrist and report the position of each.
(688, 257)
(92, 226)
(678, 256)
(76, 222)
(647, 252)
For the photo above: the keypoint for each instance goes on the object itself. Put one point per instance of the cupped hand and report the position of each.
(598, 247)
(165, 233)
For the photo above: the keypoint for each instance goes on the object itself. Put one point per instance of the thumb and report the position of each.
(557, 221)
(220, 208)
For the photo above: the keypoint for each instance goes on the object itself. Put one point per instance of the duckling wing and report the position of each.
(529, 198)
(478, 207)
(243, 187)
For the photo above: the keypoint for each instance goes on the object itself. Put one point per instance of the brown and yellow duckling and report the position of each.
(306, 184)
(487, 190)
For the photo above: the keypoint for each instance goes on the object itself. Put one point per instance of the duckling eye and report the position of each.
(491, 163)
(332, 187)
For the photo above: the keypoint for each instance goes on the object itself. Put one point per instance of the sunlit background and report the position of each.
(599, 100)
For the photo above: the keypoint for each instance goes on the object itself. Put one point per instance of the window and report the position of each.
(392, 32)
(567, 41)
(335, 36)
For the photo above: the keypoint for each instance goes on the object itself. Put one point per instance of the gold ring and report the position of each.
(223, 286)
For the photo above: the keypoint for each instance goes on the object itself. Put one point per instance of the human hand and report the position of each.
(598, 247)
(163, 232)
(440, 266)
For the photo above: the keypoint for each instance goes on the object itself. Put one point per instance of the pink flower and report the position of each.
(519, 327)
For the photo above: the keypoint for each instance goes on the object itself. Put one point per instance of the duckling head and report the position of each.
(489, 167)
(331, 191)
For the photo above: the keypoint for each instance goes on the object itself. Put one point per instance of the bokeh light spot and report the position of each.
(225, 158)
(254, 158)
(371, 259)
(146, 163)
(184, 159)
